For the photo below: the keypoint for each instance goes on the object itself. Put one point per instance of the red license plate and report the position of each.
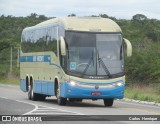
(96, 93)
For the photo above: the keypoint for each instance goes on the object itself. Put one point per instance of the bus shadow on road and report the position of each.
(84, 103)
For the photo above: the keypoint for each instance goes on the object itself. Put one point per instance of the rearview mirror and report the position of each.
(129, 47)
(63, 46)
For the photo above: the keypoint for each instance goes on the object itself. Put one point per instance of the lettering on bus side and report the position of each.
(40, 58)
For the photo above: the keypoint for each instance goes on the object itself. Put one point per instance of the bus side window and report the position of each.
(41, 39)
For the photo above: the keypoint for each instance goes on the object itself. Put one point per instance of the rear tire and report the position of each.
(29, 92)
(31, 95)
(108, 102)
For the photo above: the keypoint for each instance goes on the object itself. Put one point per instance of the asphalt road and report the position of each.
(14, 101)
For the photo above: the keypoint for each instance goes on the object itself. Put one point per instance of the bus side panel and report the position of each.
(51, 88)
(23, 85)
(44, 87)
(63, 89)
(37, 86)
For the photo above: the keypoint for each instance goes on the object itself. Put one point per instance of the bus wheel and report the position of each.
(108, 102)
(60, 100)
(29, 92)
(31, 95)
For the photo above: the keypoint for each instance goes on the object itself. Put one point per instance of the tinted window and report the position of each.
(76, 39)
(94, 54)
(39, 40)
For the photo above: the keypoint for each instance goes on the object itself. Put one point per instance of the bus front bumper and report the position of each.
(69, 91)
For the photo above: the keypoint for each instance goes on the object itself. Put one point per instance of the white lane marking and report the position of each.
(3, 97)
(36, 107)
(46, 110)
(49, 113)
(45, 107)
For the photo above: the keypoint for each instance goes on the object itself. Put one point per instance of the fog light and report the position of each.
(122, 92)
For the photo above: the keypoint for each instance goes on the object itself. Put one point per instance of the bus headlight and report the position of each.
(118, 84)
(73, 83)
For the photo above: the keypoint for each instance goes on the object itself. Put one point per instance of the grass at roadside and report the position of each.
(144, 93)
(13, 81)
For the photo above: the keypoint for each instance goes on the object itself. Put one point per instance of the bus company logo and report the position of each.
(40, 58)
(6, 118)
(96, 86)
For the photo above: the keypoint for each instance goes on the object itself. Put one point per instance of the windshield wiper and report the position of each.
(86, 68)
(103, 65)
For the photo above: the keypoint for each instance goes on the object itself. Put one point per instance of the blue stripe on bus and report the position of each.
(38, 58)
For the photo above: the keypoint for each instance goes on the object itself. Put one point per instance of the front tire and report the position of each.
(108, 102)
(60, 100)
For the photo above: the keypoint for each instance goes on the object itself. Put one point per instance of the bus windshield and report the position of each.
(94, 54)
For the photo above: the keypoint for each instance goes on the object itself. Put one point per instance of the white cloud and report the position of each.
(117, 8)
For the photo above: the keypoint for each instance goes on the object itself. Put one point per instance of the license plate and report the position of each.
(96, 93)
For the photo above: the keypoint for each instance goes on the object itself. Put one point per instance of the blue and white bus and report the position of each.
(74, 58)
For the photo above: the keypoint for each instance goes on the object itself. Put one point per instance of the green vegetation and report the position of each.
(10, 36)
(143, 93)
(10, 80)
(142, 69)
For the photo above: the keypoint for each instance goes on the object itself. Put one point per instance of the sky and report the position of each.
(121, 9)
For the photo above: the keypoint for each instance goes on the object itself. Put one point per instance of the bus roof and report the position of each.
(94, 24)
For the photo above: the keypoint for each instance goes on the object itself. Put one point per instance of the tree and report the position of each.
(42, 17)
(33, 15)
(4, 44)
(72, 15)
(139, 17)
(94, 16)
(104, 15)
